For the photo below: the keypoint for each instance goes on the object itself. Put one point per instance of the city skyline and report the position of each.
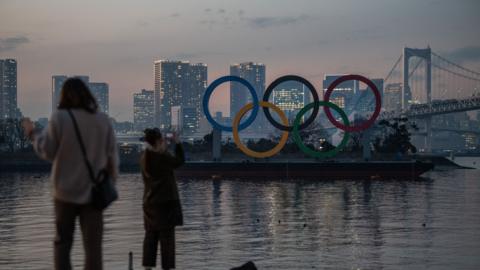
(100, 90)
(290, 38)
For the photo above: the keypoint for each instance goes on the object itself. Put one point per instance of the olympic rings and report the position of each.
(298, 139)
(237, 126)
(280, 80)
(209, 91)
(364, 125)
(243, 148)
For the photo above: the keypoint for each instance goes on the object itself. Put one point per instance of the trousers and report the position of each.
(91, 225)
(166, 239)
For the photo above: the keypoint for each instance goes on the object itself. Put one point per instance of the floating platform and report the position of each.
(299, 169)
(306, 170)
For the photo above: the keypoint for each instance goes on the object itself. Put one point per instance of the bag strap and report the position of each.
(82, 146)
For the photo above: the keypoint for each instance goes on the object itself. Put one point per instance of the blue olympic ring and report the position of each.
(209, 92)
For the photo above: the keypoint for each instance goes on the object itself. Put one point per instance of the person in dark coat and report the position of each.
(162, 210)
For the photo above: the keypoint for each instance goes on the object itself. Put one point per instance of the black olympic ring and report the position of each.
(310, 87)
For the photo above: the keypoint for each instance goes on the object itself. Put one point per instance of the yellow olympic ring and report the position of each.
(243, 148)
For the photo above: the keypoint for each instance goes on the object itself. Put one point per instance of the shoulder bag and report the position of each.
(103, 190)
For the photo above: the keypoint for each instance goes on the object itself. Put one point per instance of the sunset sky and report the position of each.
(117, 41)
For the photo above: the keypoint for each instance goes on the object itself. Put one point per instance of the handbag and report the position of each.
(103, 190)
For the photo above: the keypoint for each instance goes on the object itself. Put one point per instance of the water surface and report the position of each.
(433, 223)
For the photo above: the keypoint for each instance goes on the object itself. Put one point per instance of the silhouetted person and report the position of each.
(72, 184)
(162, 210)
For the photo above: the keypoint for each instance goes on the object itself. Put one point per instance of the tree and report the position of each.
(12, 136)
(395, 136)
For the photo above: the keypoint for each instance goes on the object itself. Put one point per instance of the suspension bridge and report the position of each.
(422, 84)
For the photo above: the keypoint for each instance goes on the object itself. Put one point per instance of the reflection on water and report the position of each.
(278, 224)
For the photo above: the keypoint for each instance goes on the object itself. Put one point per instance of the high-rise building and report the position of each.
(199, 77)
(254, 73)
(178, 83)
(98, 89)
(365, 99)
(184, 120)
(157, 88)
(190, 121)
(8, 89)
(291, 97)
(100, 92)
(176, 114)
(57, 83)
(392, 97)
(343, 94)
(143, 109)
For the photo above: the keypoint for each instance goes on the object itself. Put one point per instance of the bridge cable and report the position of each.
(457, 65)
(393, 68)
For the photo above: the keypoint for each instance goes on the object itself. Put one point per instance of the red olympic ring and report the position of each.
(364, 125)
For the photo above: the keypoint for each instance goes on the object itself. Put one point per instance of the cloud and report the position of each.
(464, 54)
(174, 15)
(11, 43)
(264, 22)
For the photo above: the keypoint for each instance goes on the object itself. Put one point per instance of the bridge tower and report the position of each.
(425, 54)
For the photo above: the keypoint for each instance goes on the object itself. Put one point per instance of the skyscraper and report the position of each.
(199, 77)
(176, 115)
(184, 120)
(343, 94)
(57, 83)
(98, 89)
(254, 73)
(8, 89)
(157, 77)
(178, 83)
(190, 121)
(291, 97)
(365, 99)
(143, 109)
(100, 92)
(393, 97)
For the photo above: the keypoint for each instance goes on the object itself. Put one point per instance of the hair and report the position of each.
(152, 135)
(75, 94)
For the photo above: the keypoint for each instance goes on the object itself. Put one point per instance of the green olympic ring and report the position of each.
(303, 147)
